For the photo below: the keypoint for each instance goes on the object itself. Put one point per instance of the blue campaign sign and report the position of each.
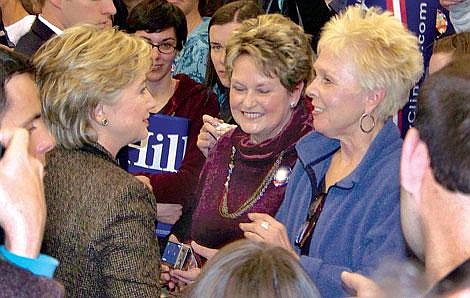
(162, 151)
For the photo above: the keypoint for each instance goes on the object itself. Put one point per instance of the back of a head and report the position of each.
(253, 269)
(278, 46)
(81, 68)
(157, 15)
(445, 48)
(458, 44)
(443, 122)
(11, 63)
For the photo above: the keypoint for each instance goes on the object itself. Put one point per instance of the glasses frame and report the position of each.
(158, 46)
(308, 227)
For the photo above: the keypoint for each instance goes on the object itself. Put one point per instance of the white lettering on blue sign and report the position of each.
(159, 150)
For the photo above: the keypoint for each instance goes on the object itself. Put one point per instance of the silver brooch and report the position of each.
(282, 176)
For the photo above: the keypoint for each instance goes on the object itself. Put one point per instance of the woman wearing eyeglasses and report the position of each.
(163, 25)
(341, 210)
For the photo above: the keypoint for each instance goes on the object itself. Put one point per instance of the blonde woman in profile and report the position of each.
(341, 209)
(252, 269)
(100, 222)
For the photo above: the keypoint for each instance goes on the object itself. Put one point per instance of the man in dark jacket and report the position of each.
(54, 18)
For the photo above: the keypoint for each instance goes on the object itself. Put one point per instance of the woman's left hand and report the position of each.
(265, 228)
(185, 277)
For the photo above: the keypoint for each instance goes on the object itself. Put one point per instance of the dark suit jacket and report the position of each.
(33, 40)
(17, 282)
(100, 225)
(314, 14)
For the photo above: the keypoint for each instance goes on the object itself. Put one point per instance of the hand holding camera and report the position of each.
(176, 278)
(179, 256)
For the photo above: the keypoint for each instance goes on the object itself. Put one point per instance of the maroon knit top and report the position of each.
(252, 162)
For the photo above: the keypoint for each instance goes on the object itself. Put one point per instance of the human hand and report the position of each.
(145, 180)
(265, 228)
(23, 212)
(449, 3)
(211, 131)
(166, 280)
(185, 277)
(362, 286)
(203, 251)
(169, 213)
(165, 277)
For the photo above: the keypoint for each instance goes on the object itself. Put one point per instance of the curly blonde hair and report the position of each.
(384, 53)
(279, 47)
(81, 68)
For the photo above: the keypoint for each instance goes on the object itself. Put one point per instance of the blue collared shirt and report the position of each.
(43, 265)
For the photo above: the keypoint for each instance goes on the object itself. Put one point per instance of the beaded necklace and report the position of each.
(223, 208)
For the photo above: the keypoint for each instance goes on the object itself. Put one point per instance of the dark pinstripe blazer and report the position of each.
(33, 40)
(100, 225)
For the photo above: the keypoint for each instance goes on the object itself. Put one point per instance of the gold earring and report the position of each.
(104, 122)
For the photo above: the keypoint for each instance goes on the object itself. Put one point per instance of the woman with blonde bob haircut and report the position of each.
(100, 222)
(252, 269)
(341, 210)
(73, 82)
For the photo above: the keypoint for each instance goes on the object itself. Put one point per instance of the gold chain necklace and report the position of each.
(223, 208)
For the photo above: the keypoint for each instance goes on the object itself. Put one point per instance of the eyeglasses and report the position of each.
(306, 230)
(164, 48)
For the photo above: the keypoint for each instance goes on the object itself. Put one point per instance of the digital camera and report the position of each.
(179, 256)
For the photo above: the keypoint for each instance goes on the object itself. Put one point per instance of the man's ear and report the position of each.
(414, 162)
(294, 95)
(373, 99)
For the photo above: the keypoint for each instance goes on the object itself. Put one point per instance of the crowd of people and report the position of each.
(259, 140)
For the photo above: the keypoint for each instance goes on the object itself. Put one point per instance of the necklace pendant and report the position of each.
(282, 176)
(277, 174)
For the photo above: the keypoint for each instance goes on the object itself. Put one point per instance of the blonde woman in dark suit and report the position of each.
(100, 222)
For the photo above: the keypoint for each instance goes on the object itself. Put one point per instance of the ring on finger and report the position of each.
(265, 225)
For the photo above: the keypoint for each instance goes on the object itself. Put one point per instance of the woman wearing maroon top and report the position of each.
(163, 26)
(269, 64)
